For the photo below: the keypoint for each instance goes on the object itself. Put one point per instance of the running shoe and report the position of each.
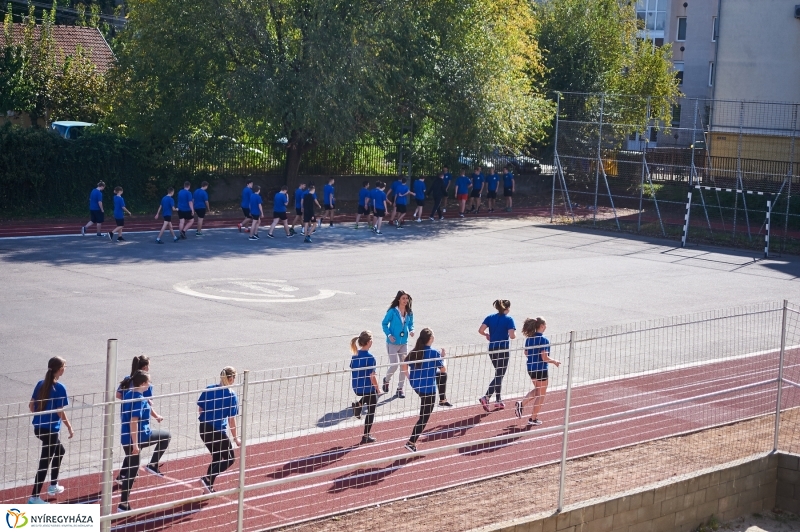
(124, 507)
(175, 239)
(356, 226)
(83, 231)
(206, 485)
(331, 225)
(159, 241)
(270, 235)
(399, 226)
(111, 236)
(534, 422)
(366, 438)
(484, 403)
(518, 409)
(445, 403)
(252, 237)
(411, 447)
(302, 230)
(396, 223)
(198, 233)
(290, 235)
(291, 231)
(240, 227)
(385, 386)
(461, 215)
(378, 232)
(431, 218)
(399, 394)
(418, 220)
(37, 500)
(307, 240)
(357, 410)
(54, 489)
(183, 235)
(153, 470)
(100, 234)
(120, 239)
(478, 211)
(499, 405)
(256, 235)
(444, 211)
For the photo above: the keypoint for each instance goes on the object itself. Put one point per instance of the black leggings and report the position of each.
(437, 206)
(130, 465)
(441, 383)
(52, 450)
(500, 363)
(427, 403)
(370, 401)
(221, 450)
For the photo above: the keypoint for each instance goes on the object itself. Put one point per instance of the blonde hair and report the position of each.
(360, 341)
(228, 373)
(531, 325)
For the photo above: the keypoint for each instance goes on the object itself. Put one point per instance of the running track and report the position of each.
(342, 484)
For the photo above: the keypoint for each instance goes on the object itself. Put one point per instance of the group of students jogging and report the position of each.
(423, 367)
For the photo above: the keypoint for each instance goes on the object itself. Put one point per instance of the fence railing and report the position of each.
(300, 458)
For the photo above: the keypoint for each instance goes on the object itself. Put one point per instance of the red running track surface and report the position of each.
(398, 475)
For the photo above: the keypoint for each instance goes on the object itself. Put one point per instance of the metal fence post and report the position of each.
(555, 157)
(242, 451)
(565, 439)
(108, 433)
(780, 377)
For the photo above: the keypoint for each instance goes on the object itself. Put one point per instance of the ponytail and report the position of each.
(531, 326)
(502, 305)
(419, 348)
(53, 365)
(139, 362)
(360, 341)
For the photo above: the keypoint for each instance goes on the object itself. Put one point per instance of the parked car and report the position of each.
(70, 129)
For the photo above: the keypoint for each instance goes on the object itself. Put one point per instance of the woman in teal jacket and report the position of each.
(398, 326)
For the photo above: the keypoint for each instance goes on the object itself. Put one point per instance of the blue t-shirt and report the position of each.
(94, 200)
(298, 198)
(364, 196)
(200, 198)
(328, 191)
(167, 204)
(419, 189)
(499, 325)
(184, 197)
(363, 365)
(462, 185)
(255, 201)
(492, 181)
(58, 399)
(119, 203)
(139, 410)
(402, 189)
(379, 197)
(246, 193)
(280, 202)
(477, 181)
(422, 375)
(447, 178)
(534, 355)
(508, 180)
(394, 186)
(218, 404)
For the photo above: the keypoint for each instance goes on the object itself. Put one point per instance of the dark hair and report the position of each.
(117, 190)
(531, 325)
(248, 182)
(139, 378)
(403, 180)
(311, 186)
(446, 167)
(100, 184)
(365, 184)
(396, 301)
(257, 189)
(204, 184)
(139, 362)
(170, 190)
(330, 179)
(377, 184)
(284, 188)
(186, 184)
(501, 305)
(419, 348)
(53, 365)
(360, 341)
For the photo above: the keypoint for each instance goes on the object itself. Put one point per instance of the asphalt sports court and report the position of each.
(198, 305)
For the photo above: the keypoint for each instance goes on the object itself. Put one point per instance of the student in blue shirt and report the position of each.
(247, 191)
(201, 205)
(463, 184)
(185, 209)
(96, 211)
(364, 381)
(508, 188)
(426, 372)
(327, 201)
(501, 327)
(419, 198)
(537, 352)
(218, 406)
(279, 205)
(372, 195)
(256, 211)
(119, 215)
(492, 181)
(380, 202)
(447, 177)
(364, 196)
(401, 193)
(166, 207)
(298, 206)
(49, 395)
(398, 326)
(392, 196)
(477, 190)
(136, 434)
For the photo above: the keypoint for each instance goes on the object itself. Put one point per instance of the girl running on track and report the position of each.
(537, 351)
(136, 435)
(48, 395)
(398, 326)
(364, 381)
(501, 328)
(218, 406)
(426, 370)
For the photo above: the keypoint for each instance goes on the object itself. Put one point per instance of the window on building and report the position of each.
(681, 29)
(711, 74)
(714, 29)
(676, 116)
(653, 134)
(679, 72)
(653, 14)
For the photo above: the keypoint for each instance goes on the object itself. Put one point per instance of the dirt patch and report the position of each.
(520, 494)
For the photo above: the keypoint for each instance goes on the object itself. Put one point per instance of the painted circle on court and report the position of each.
(252, 290)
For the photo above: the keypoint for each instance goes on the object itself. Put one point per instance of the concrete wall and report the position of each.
(787, 496)
(679, 506)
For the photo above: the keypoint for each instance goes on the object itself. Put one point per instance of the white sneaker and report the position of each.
(444, 211)
(55, 490)
(37, 500)
(418, 220)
